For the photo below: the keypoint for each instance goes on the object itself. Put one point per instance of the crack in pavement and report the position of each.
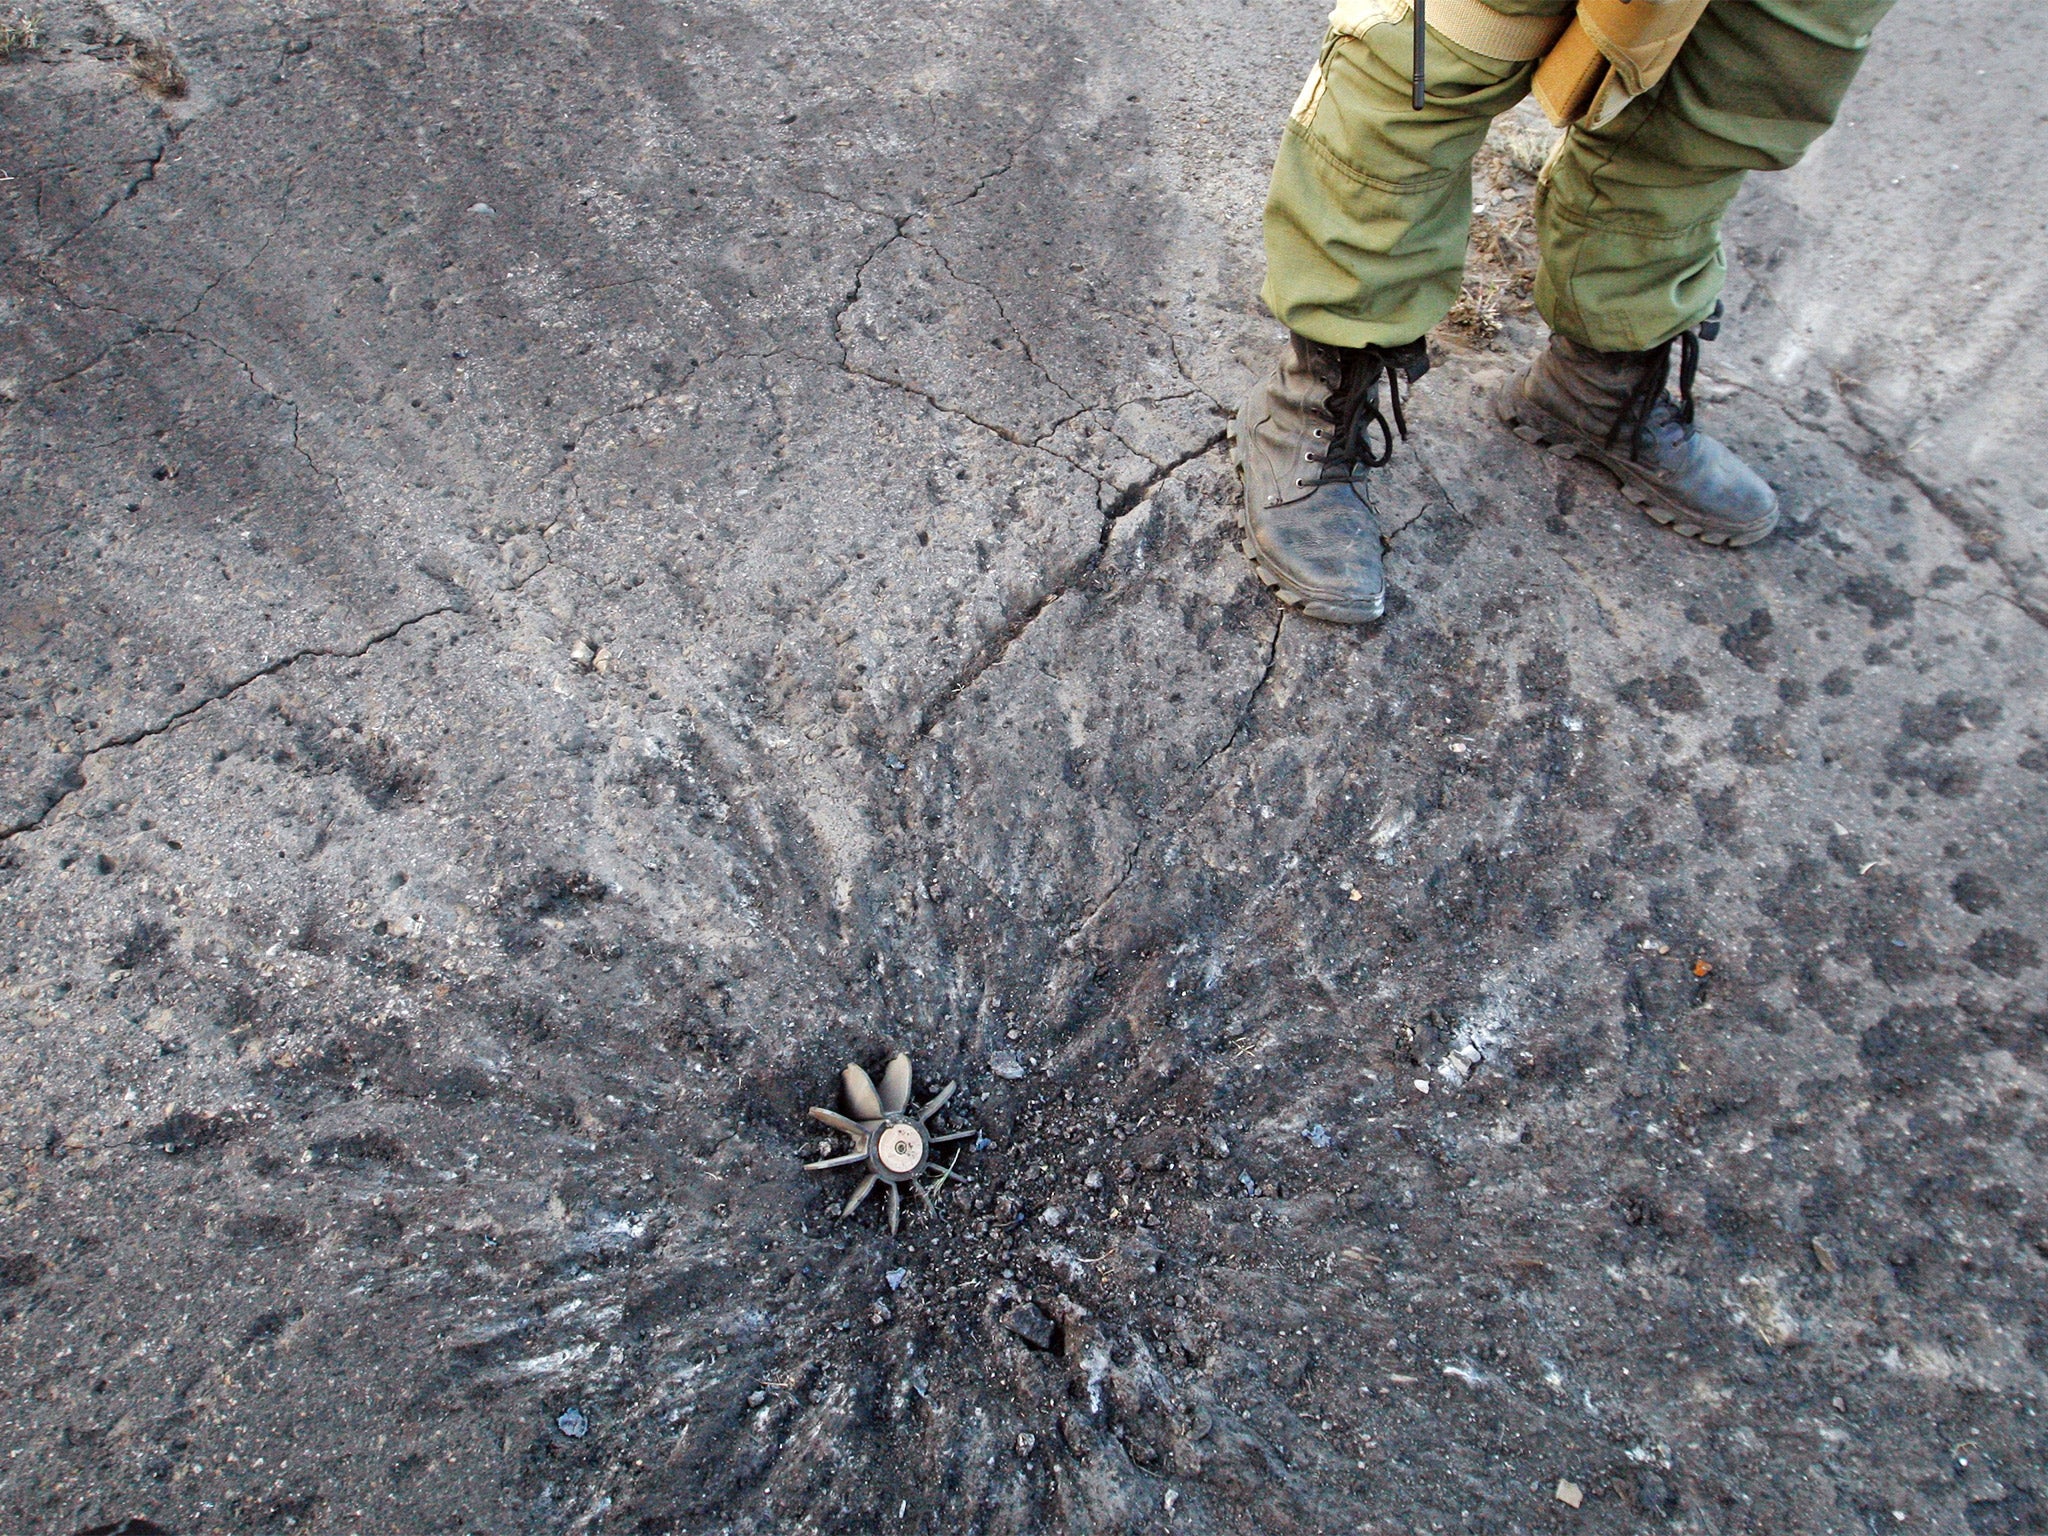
(74, 779)
(1172, 341)
(149, 330)
(900, 223)
(171, 132)
(900, 230)
(1071, 940)
(1251, 700)
(145, 329)
(332, 477)
(1879, 460)
(992, 652)
(995, 297)
(1981, 534)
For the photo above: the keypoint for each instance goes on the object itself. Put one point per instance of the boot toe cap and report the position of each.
(1324, 559)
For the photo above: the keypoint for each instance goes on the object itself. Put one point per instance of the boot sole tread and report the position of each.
(1529, 428)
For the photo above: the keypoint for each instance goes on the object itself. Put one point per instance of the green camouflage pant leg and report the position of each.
(1630, 214)
(1371, 202)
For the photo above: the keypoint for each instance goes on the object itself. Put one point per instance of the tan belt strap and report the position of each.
(1470, 24)
(1475, 25)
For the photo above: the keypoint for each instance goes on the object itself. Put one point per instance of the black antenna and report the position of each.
(1421, 31)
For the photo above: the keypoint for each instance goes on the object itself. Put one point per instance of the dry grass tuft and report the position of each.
(1477, 312)
(155, 68)
(20, 32)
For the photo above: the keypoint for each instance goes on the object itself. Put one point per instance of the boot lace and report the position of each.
(1363, 436)
(1646, 406)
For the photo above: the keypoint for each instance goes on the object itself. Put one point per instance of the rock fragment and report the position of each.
(1030, 1325)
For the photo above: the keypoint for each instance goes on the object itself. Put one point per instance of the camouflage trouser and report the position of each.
(1371, 201)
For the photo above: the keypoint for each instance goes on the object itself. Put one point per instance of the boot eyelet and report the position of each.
(1301, 484)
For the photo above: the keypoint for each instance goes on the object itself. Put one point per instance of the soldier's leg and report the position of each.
(1371, 200)
(1629, 219)
(1365, 244)
(1630, 214)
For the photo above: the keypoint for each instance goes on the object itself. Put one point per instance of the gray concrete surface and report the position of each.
(570, 568)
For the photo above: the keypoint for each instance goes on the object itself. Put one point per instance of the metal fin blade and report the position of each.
(953, 1136)
(938, 1101)
(839, 1122)
(895, 1206)
(858, 1089)
(860, 1194)
(844, 1161)
(896, 1084)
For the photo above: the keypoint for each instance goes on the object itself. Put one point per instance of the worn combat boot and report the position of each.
(1302, 442)
(1612, 408)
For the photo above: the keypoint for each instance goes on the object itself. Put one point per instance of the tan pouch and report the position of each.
(1613, 51)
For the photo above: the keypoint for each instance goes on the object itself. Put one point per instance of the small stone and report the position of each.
(879, 1314)
(573, 1423)
(1318, 1136)
(1570, 1493)
(582, 654)
(896, 1277)
(1052, 1215)
(756, 1399)
(1026, 1444)
(1824, 1256)
(1030, 1325)
(1422, 1085)
(1006, 1065)
(1094, 1179)
(1459, 1065)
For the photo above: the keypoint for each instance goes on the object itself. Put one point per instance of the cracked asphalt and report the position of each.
(569, 569)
